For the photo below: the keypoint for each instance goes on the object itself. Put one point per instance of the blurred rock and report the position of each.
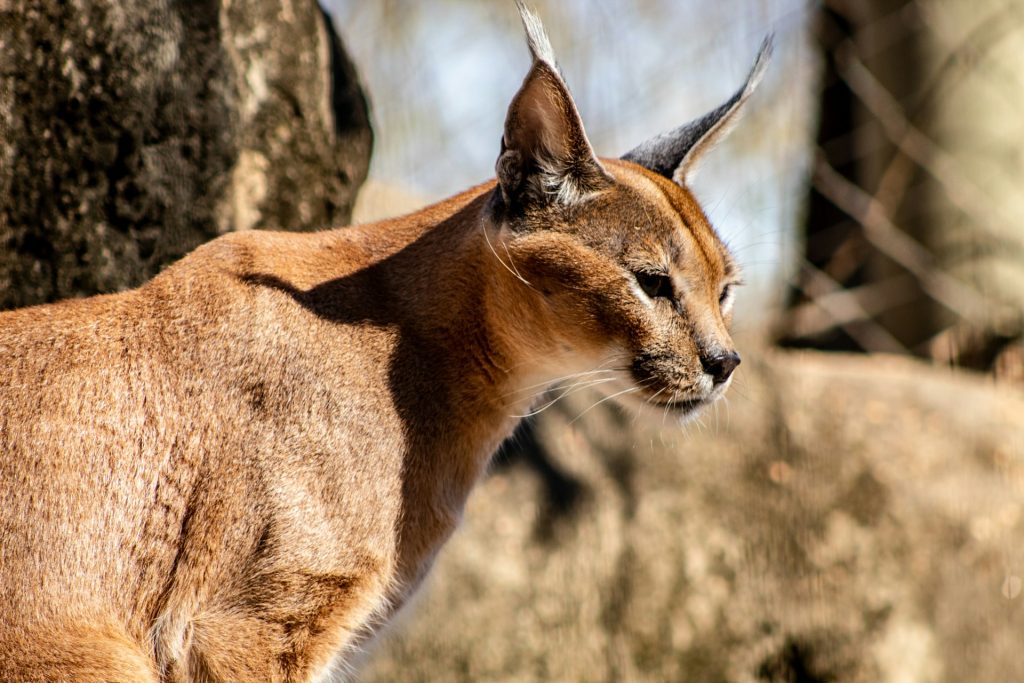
(841, 519)
(134, 130)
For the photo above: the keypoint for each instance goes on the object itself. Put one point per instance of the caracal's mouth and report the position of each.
(684, 406)
(654, 397)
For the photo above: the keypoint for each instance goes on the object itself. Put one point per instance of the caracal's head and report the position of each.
(618, 269)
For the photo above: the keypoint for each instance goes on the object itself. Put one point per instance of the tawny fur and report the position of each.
(238, 471)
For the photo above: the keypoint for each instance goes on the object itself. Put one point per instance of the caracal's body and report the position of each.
(238, 471)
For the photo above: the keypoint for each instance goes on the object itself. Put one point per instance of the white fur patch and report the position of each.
(727, 302)
(560, 184)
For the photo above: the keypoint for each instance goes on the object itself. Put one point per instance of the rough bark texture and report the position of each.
(132, 131)
(843, 519)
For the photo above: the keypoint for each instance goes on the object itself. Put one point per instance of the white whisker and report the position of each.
(572, 388)
(558, 380)
(665, 410)
(505, 265)
(650, 399)
(512, 262)
(606, 398)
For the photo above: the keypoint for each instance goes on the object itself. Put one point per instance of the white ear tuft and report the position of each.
(545, 155)
(536, 36)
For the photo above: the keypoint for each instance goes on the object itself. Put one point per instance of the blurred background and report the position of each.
(635, 69)
(853, 512)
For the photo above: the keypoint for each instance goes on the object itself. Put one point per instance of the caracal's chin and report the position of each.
(681, 404)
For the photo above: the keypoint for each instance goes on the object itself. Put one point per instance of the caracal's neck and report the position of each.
(465, 358)
(467, 351)
(453, 373)
(465, 315)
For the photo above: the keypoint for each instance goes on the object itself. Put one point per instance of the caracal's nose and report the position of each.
(720, 366)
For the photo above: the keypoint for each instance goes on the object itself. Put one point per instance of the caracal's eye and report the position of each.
(655, 285)
(726, 297)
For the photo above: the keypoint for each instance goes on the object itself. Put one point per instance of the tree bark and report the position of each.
(135, 130)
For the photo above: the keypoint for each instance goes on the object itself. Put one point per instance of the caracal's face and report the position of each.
(624, 270)
(636, 281)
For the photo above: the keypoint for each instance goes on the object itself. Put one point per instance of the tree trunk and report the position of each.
(913, 242)
(135, 130)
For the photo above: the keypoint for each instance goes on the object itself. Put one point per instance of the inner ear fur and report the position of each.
(545, 155)
(677, 153)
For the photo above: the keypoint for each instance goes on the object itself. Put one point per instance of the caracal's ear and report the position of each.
(677, 153)
(545, 155)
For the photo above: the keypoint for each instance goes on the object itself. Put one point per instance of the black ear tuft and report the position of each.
(676, 154)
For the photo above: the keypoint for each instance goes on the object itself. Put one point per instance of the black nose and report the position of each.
(721, 366)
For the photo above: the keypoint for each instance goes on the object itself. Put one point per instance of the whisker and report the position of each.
(556, 381)
(572, 388)
(656, 394)
(700, 423)
(606, 398)
(505, 265)
(664, 413)
(512, 261)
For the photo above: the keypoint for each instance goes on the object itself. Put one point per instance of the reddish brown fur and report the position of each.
(238, 471)
(221, 464)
